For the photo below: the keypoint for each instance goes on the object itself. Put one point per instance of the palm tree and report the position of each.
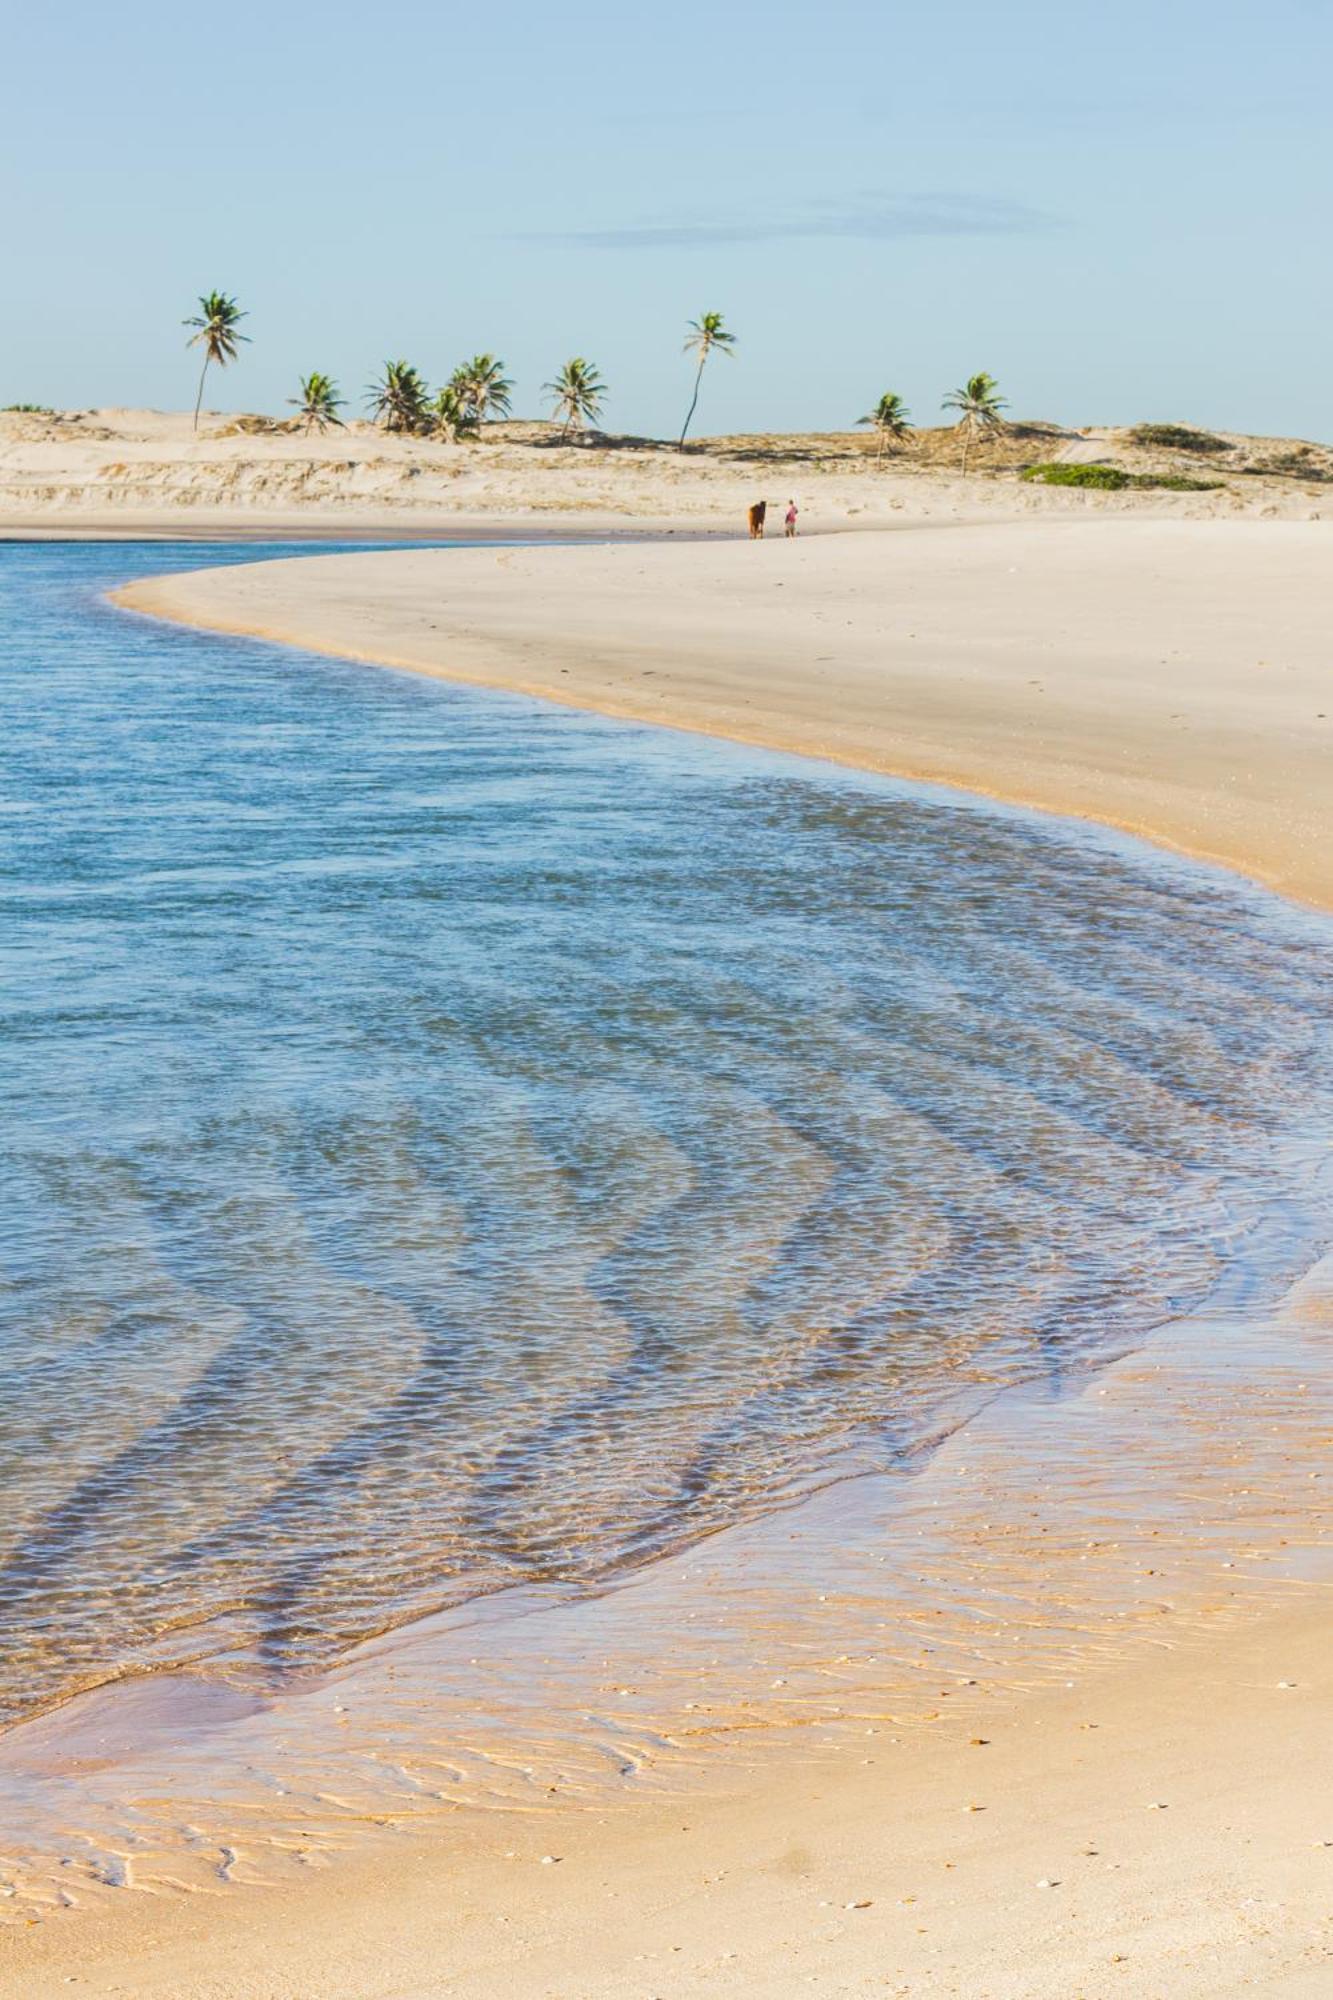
(318, 404)
(891, 419)
(576, 394)
(482, 387)
(979, 404)
(215, 330)
(706, 333)
(450, 417)
(399, 399)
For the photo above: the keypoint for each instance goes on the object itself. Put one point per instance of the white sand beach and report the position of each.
(666, 1323)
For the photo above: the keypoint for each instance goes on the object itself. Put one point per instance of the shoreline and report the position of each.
(1132, 1731)
(1031, 1864)
(764, 1870)
(481, 530)
(1060, 706)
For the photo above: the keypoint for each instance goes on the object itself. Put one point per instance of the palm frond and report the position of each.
(577, 394)
(978, 404)
(890, 415)
(319, 402)
(707, 333)
(979, 399)
(451, 415)
(399, 400)
(891, 418)
(483, 388)
(216, 328)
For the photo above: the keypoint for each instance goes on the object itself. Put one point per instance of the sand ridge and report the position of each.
(149, 471)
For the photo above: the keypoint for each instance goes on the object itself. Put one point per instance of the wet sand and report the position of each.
(1095, 1759)
(1177, 1810)
(1157, 1826)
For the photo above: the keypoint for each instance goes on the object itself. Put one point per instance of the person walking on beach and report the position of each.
(791, 519)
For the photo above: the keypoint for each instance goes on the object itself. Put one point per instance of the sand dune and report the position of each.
(147, 470)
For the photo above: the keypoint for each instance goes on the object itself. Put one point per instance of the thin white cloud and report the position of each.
(871, 218)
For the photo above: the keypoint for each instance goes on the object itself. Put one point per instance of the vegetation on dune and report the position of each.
(27, 410)
(891, 419)
(482, 388)
(449, 417)
(216, 331)
(400, 400)
(1114, 479)
(706, 334)
(480, 392)
(477, 390)
(318, 404)
(1298, 462)
(1176, 437)
(978, 404)
(577, 394)
(1101, 478)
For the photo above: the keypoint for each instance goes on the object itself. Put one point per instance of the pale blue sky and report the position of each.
(1122, 211)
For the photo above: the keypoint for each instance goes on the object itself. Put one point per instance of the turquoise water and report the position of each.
(454, 1142)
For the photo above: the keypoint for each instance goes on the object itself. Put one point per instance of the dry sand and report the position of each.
(150, 472)
(1161, 1827)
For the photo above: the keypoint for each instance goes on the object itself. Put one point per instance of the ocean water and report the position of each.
(454, 1143)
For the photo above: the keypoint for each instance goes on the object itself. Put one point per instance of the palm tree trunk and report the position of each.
(198, 401)
(967, 439)
(694, 400)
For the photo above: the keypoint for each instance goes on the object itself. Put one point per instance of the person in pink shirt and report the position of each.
(791, 518)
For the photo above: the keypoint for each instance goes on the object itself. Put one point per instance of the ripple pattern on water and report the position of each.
(454, 1142)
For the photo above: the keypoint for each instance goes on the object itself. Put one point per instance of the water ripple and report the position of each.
(456, 1143)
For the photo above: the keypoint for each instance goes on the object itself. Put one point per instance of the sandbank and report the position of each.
(1168, 677)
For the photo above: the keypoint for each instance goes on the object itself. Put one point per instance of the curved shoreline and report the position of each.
(1167, 679)
(1034, 1821)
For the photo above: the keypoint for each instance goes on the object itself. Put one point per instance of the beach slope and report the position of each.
(1162, 1829)
(1168, 677)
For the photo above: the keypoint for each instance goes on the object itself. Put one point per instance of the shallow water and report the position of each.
(456, 1143)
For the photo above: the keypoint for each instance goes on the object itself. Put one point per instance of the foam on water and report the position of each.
(456, 1144)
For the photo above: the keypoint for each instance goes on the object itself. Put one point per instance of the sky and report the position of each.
(1121, 211)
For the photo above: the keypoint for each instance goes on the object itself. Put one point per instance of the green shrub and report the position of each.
(1177, 437)
(1298, 464)
(1176, 482)
(26, 410)
(1113, 479)
(1105, 478)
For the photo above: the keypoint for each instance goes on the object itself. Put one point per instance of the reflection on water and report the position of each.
(457, 1143)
